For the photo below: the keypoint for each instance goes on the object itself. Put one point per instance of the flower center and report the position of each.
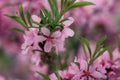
(87, 73)
(49, 38)
(102, 63)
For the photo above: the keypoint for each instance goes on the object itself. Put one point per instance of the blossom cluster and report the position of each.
(104, 68)
(34, 37)
(43, 42)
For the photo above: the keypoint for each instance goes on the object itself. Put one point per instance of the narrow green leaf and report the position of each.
(85, 53)
(56, 8)
(44, 76)
(42, 16)
(98, 55)
(102, 52)
(52, 6)
(39, 24)
(99, 45)
(48, 15)
(16, 29)
(29, 18)
(62, 3)
(22, 14)
(65, 19)
(119, 43)
(79, 4)
(58, 76)
(86, 42)
(91, 61)
(110, 53)
(16, 18)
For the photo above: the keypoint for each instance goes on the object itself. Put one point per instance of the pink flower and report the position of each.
(91, 73)
(72, 70)
(53, 77)
(42, 68)
(32, 40)
(35, 19)
(51, 40)
(67, 32)
(2, 78)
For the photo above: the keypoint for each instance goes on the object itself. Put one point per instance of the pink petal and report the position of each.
(97, 74)
(68, 32)
(25, 51)
(53, 77)
(45, 31)
(48, 46)
(35, 58)
(2, 78)
(83, 65)
(56, 34)
(68, 22)
(40, 39)
(36, 18)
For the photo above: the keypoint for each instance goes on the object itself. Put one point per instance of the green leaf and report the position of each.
(65, 19)
(39, 24)
(29, 18)
(52, 6)
(44, 76)
(48, 15)
(42, 15)
(56, 8)
(85, 53)
(22, 14)
(98, 55)
(101, 52)
(110, 53)
(99, 45)
(17, 29)
(62, 4)
(86, 42)
(58, 76)
(79, 4)
(16, 18)
(119, 43)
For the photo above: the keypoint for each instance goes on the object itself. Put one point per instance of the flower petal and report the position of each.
(68, 32)
(68, 22)
(56, 34)
(36, 18)
(97, 74)
(48, 46)
(40, 39)
(83, 65)
(45, 31)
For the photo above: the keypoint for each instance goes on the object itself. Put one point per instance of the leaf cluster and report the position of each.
(99, 49)
(51, 19)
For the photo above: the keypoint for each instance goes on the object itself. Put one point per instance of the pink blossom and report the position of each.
(91, 73)
(53, 77)
(2, 78)
(35, 19)
(51, 40)
(67, 32)
(42, 68)
(72, 70)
